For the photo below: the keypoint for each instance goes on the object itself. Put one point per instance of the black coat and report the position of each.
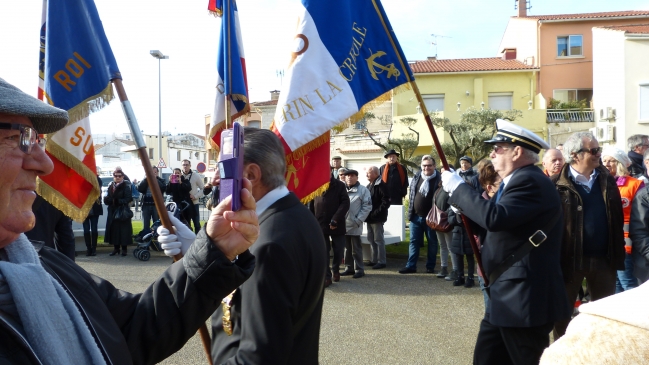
(531, 292)
(179, 194)
(52, 227)
(380, 202)
(141, 328)
(143, 188)
(332, 205)
(396, 188)
(637, 168)
(97, 207)
(460, 244)
(118, 232)
(276, 313)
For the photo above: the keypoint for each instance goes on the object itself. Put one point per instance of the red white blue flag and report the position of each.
(232, 82)
(76, 66)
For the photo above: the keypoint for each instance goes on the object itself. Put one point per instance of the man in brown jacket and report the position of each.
(330, 209)
(593, 239)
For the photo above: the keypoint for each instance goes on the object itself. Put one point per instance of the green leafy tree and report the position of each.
(406, 144)
(467, 136)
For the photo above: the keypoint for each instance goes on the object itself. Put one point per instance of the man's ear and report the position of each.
(252, 172)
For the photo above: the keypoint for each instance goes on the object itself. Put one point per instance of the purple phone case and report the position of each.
(231, 165)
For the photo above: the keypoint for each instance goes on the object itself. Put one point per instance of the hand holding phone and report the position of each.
(231, 165)
(174, 179)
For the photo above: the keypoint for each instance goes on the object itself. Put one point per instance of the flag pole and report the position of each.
(442, 158)
(155, 189)
(228, 71)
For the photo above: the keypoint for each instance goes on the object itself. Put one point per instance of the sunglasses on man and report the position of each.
(28, 137)
(592, 151)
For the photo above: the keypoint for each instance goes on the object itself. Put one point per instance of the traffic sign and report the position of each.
(162, 164)
(200, 167)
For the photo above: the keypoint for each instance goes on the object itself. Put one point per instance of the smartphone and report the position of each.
(231, 165)
(174, 179)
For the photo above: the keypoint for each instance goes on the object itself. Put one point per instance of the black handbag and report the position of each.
(123, 213)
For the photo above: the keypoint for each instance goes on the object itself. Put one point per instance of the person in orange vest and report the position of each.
(617, 163)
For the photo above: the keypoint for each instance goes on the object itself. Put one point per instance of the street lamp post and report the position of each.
(160, 56)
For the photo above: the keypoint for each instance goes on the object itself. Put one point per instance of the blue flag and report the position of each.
(78, 61)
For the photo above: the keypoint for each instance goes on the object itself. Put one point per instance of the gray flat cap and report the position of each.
(45, 118)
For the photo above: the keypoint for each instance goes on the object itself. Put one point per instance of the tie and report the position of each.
(500, 191)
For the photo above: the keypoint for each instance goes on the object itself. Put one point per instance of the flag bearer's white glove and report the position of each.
(174, 244)
(450, 181)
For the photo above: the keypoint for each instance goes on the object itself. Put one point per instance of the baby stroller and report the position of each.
(147, 239)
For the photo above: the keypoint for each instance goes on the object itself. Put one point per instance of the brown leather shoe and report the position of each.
(327, 283)
(336, 276)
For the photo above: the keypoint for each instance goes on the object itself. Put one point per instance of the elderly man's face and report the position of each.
(351, 179)
(336, 163)
(585, 160)
(553, 161)
(18, 181)
(392, 159)
(465, 165)
(502, 158)
(372, 174)
(641, 149)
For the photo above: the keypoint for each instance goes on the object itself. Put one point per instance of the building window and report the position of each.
(570, 95)
(644, 102)
(151, 153)
(434, 103)
(178, 157)
(189, 155)
(570, 45)
(360, 125)
(254, 124)
(500, 101)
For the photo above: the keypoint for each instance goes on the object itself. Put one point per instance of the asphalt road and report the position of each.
(382, 318)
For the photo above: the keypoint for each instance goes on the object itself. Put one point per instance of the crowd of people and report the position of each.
(540, 234)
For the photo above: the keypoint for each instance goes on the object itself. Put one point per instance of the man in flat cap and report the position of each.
(467, 173)
(593, 235)
(54, 312)
(395, 176)
(336, 164)
(520, 229)
(360, 206)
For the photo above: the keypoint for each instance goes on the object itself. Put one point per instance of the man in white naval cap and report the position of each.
(520, 229)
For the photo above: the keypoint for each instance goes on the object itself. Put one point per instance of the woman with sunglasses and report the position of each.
(118, 232)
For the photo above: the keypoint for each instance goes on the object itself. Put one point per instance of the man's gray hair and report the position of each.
(574, 144)
(262, 147)
(635, 141)
(531, 155)
(373, 168)
(428, 158)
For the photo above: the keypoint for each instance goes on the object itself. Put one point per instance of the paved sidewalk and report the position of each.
(382, 318)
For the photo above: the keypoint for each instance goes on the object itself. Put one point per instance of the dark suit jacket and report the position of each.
(52, 227)
(332, 205)
(276, 313)
(531, 292)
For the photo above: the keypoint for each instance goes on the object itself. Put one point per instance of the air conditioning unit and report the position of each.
(604, 134)
(608, 114)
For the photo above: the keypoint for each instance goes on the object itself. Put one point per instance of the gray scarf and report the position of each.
(50, 320)
(423, 189)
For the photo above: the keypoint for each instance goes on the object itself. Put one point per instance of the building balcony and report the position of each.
(570, 115)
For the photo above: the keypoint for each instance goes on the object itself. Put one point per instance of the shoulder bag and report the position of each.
(123, 213)
(437, 219)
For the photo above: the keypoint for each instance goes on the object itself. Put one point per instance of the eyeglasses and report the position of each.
(499, 148)
(426, 166)
(118, 175)
(186, 164)
(28, 137)
(592, 151)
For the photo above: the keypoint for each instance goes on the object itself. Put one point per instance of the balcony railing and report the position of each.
(570, 115)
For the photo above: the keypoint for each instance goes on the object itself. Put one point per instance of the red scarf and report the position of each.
(386, 170)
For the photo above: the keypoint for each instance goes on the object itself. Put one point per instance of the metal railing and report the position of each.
(570, 115)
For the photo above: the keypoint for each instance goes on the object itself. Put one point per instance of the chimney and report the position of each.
(274, 95)
(509, 54)
(432, 58)
(522, 8)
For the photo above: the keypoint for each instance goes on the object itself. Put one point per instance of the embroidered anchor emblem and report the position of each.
(291, 171)
(373, 66)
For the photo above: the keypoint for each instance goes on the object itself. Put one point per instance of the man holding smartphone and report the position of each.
(196, 181)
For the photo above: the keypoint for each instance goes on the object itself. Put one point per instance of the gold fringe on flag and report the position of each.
(217, 13)
(55, 197)
(91, 104)
(319, 191)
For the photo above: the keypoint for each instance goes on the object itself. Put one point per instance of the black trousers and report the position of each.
(510, 345)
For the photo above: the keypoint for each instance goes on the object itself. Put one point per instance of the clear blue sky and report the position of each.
(185, 32)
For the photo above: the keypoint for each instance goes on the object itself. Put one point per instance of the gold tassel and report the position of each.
(57, 199)
(91, 104)
(319, 191)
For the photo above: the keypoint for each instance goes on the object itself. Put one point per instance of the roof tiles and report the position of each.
(633, 29)
(468, 65)
(584, 16)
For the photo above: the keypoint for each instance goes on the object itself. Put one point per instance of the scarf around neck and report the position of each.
(386, 172)
(423, 189)
(50, 320)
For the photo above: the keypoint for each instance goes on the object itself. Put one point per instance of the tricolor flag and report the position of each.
(76, 65)
(231, 65)
(345, 61)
